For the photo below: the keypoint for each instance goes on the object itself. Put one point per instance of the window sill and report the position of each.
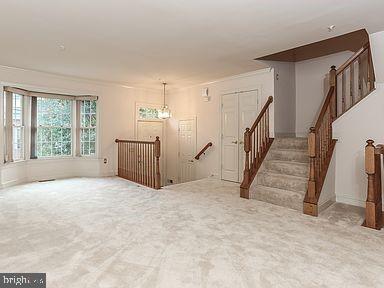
(50, 159)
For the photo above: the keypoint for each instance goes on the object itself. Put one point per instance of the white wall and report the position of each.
(116, 108)
(362, 122)
(188, 102)
(285, 97)
(311, 88)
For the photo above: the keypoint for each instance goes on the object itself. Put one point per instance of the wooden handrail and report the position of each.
(325, 107)
(352, 59)
(373, 209)
(256, 145)
(266, 105)
(202, 151)
(139, 161)
(133, 141)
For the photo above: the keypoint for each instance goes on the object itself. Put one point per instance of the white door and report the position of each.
(187, 150)
(229, 139)
(239, 111)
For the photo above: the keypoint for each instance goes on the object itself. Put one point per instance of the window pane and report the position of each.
(54, 127)
(92, 134)
(17, 143)
(92, 148)
(148, 113)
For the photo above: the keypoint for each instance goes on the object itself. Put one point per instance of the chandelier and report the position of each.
(164, 112)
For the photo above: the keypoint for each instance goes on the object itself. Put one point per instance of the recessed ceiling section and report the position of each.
(348, 42)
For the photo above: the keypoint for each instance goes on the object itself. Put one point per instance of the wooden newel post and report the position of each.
(244, 193)
(373, 210)
(310, 202)
(157, 167)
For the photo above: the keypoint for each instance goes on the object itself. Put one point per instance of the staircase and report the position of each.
(290, 172)
(283, 177)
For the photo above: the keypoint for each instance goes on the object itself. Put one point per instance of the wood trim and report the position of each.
(202, 151)
(352, 41)
(325, 107)
(132, 141)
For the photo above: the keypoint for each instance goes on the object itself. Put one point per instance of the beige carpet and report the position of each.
(107, 232)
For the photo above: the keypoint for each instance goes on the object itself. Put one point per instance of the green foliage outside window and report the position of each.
(148, 113)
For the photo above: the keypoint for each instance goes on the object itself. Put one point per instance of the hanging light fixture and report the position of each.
(164, 113)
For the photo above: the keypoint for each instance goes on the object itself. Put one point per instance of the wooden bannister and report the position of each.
(355, 79)
(139, 161)
(348, 85)
(373, 209)
(202, 151)
(256, 145)
(320, 148)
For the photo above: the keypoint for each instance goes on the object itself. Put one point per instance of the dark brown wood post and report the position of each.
(244, 192)
(157, 155)
(373, 210)
(333, 83)
(310, 203)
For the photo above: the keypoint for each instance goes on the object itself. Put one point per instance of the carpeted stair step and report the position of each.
(289, 155)
(291, 143)
(281, 181)
(281, 197)
(286, 167)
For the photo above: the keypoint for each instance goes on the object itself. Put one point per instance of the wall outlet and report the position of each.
(105, 160)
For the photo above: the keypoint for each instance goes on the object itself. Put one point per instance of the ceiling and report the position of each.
(141, 43)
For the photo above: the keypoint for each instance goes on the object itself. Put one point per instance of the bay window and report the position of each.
(53, 128)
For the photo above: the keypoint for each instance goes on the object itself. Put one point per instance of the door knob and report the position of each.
(190, 161)
(234, 142)
(241, 142)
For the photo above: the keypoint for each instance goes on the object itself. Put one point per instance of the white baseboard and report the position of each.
(14, 182)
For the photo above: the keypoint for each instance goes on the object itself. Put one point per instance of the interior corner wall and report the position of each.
(311, 88)
(116, 119)
(188, 103)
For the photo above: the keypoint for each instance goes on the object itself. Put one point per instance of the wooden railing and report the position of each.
(355, 79)
(373, 209)
(139, 161)
(202, 151)
(320, 141)
(256, 145)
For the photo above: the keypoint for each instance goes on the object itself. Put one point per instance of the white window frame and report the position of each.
(79, 128)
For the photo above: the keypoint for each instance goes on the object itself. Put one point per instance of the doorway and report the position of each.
(238, 111)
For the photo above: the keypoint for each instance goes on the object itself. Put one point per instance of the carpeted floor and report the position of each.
(107, 232)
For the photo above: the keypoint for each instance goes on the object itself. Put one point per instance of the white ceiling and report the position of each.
(185, 42)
